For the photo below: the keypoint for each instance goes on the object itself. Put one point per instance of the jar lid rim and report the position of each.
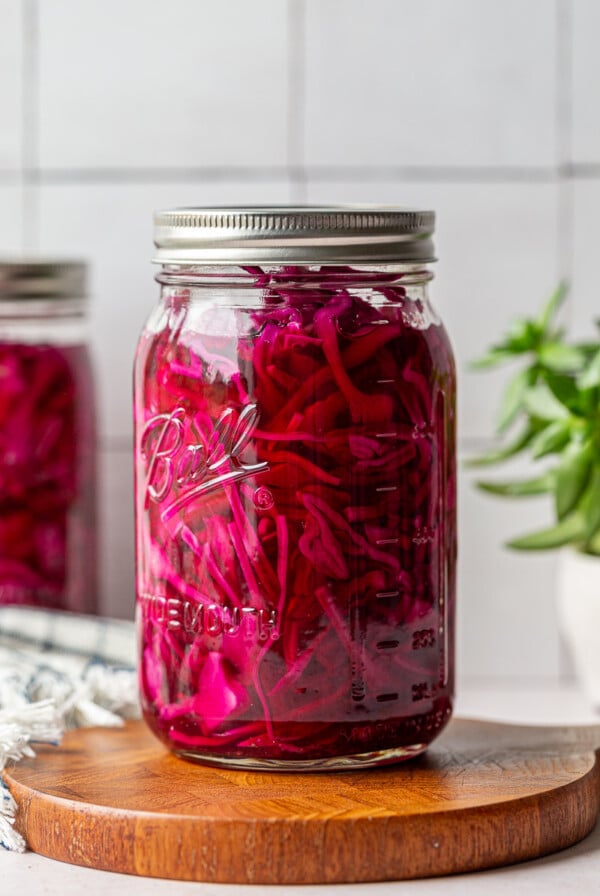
(294, 234)
(37, 277)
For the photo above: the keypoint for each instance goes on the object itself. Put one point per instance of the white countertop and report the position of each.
(573, 870)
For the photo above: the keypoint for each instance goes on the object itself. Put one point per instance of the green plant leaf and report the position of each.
(570, 529)
(519, 488)
(505, 452)
(523, 336)
(494, 356)
(561, 358)
(571, 477)
(564, 388)
(512, 399)
(592, 545)
(590, 377)
(590, 504)
(551, 439)
(541, 402)
(552, 305)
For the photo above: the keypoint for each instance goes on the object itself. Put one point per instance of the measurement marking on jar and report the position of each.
(423, 639)
(359, 637)
(384, 594)
(424, 690)
(387, 488)
(382, 382)
(386, 435)
(387, 645)
(387, 541)
(386, 698)
(424, 534)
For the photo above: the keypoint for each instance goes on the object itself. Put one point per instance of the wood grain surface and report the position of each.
(483, 795)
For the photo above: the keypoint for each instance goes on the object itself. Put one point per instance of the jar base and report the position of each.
(326, 764)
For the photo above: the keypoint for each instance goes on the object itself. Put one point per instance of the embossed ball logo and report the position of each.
(183, 461)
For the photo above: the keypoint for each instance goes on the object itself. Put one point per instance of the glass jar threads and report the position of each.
(47, 438)
(295, 489)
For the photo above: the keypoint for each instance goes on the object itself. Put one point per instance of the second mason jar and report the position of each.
(295, 489)
(48, 532)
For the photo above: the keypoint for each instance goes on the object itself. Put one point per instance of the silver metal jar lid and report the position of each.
(41, 278)
(294, 235)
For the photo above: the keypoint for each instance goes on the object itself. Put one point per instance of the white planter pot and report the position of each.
(578, 596)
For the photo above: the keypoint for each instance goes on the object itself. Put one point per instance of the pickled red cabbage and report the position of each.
(47, 510)
(295, 518)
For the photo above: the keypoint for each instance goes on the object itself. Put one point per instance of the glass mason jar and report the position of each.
(295, 489)
(47, 438)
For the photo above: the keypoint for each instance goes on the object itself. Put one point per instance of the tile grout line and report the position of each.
(566, 218)
(115, 444)
(564, 79)
(436, 174)
(296, 115)
(29, 124)
(20, 176)
(374, 174)
(564, 130)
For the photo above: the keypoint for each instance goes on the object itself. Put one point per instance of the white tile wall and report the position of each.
(585, 287)
(145, 83)
(115, 505)
(586, 81)
(496, 245)
(393, 82)
(111, 226)
(11, 61)
(11, 223)
(466, 106)
(506, 611)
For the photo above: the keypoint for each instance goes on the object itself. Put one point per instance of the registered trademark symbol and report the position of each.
(263, 499)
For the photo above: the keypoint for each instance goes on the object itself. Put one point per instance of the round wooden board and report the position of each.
(483, 795)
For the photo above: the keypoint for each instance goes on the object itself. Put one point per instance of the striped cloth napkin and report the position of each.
(58, 671)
